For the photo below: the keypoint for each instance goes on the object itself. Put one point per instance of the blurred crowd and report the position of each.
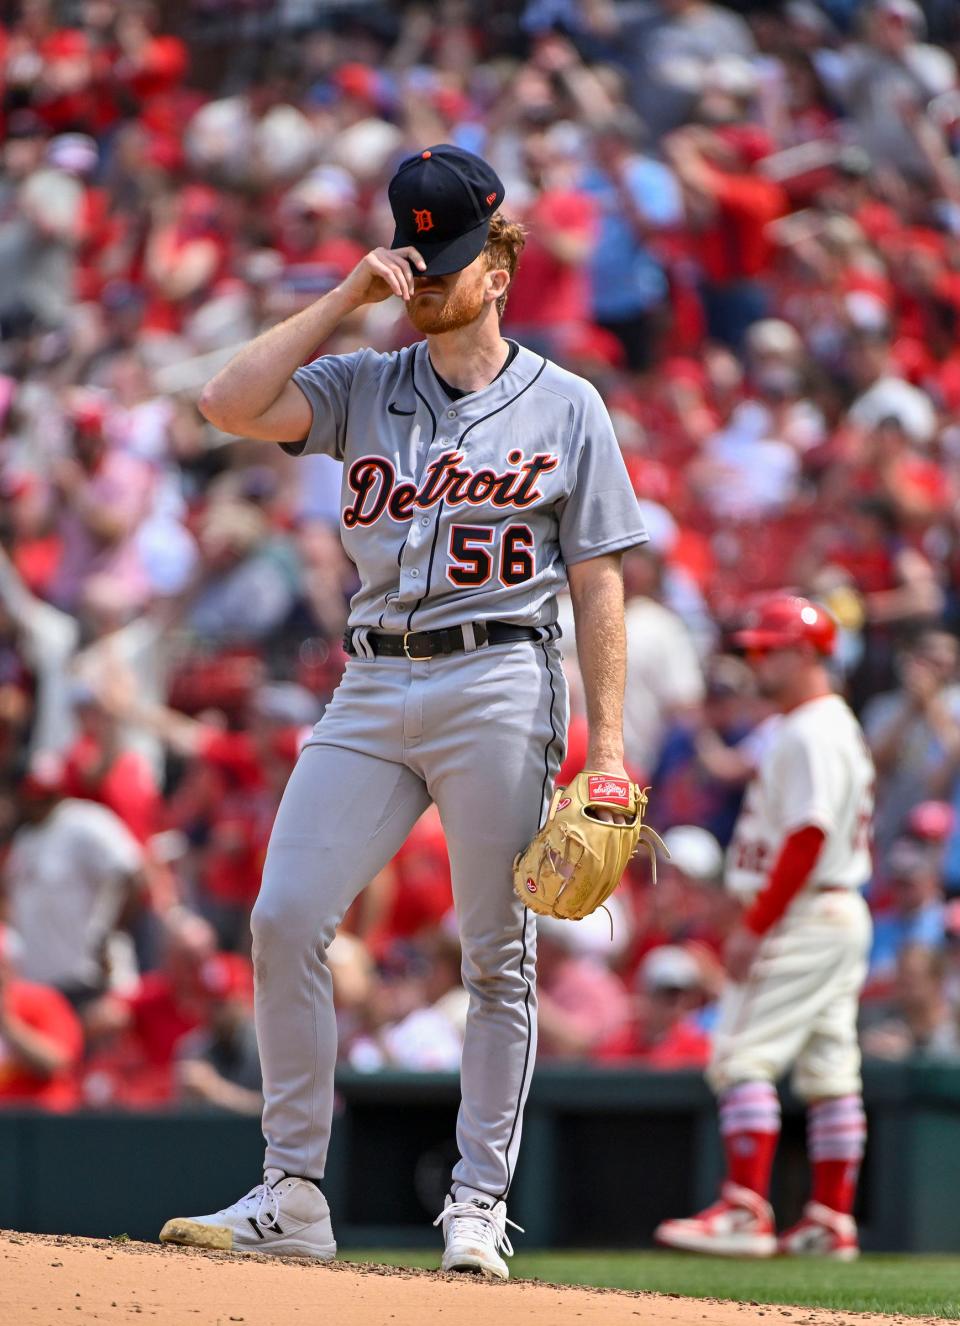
(743, 227)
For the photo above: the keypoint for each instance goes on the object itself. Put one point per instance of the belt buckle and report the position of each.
(414, 658)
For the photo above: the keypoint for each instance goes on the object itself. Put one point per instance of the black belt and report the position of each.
(421, 645)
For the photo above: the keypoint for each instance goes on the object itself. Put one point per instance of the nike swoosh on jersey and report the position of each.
(394, 409)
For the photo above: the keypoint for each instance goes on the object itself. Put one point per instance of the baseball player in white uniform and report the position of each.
(478, 480)
(799, 856)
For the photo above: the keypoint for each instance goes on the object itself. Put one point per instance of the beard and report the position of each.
(433, 314)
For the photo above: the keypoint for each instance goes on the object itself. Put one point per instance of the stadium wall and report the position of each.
(606, 1155)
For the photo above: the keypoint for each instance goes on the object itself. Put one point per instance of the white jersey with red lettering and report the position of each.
(816, 770)
(797, 1007)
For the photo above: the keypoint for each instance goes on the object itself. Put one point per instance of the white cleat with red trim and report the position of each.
(740, 1224)
(821, 1232)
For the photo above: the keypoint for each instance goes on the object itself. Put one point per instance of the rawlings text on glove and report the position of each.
(576, 860)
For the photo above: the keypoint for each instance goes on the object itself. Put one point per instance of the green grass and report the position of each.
(914, 1286)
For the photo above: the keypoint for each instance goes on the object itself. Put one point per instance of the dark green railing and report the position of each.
(605, 1156)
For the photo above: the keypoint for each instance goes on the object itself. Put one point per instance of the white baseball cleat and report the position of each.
(821, 1232)
(283, 1217)
(474, 1232)
(740, 1224)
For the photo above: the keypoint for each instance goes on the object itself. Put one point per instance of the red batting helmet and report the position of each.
(785, 620)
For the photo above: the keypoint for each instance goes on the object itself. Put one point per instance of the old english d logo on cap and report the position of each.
(442, 200)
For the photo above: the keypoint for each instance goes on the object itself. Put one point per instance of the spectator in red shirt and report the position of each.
(313, 235)
(550, 296)
(97, 768)
(219, 1065)
(187, 253)
(663, 1033)
(730, 207)
(229, 795)
(413, 894)
(41, 1039)
(583, 1002)
(138, 1032)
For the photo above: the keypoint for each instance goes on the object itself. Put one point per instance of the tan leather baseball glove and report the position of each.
(576, 860)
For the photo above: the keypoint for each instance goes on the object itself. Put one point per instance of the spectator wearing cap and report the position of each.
(875, 580)
(705, 758)
(636, 197)
(219, 1064)
(913, 729)
(187, 254)
(777, 373)
(315, 220)
(41, 1039)
(98, 768)
(671, 47)
(73, 875)
(883, 393)
(687, 907)
(103, 495)
(663, 1033)
(887, 80)
(890, 461)
(228, 797)
(794, 100)
(705, 910)
(751, 468)
(694, 853)
(29, 528)
(582, 1001)
(429, 1037)
(550, 294)
(730, 206)
(135, 1033)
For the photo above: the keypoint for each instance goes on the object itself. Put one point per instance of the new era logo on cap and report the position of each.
(442, 200)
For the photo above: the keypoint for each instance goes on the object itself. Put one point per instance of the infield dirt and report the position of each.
(53, 1280)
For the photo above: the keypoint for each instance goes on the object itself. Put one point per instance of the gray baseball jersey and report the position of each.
(460, 510)
(453, 511)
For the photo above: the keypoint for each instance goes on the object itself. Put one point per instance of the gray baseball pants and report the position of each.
(482, 735)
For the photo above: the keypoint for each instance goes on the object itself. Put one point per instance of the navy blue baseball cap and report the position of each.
(442, 200)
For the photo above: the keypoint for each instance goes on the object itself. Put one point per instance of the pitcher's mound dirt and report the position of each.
(61, 1281)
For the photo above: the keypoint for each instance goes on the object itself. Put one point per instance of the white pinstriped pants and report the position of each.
(798, 1007)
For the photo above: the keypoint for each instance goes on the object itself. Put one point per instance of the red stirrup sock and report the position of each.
(836, 1134)
(750, 1127)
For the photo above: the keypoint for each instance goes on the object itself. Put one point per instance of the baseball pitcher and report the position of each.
(798, 859)
(478, 479)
